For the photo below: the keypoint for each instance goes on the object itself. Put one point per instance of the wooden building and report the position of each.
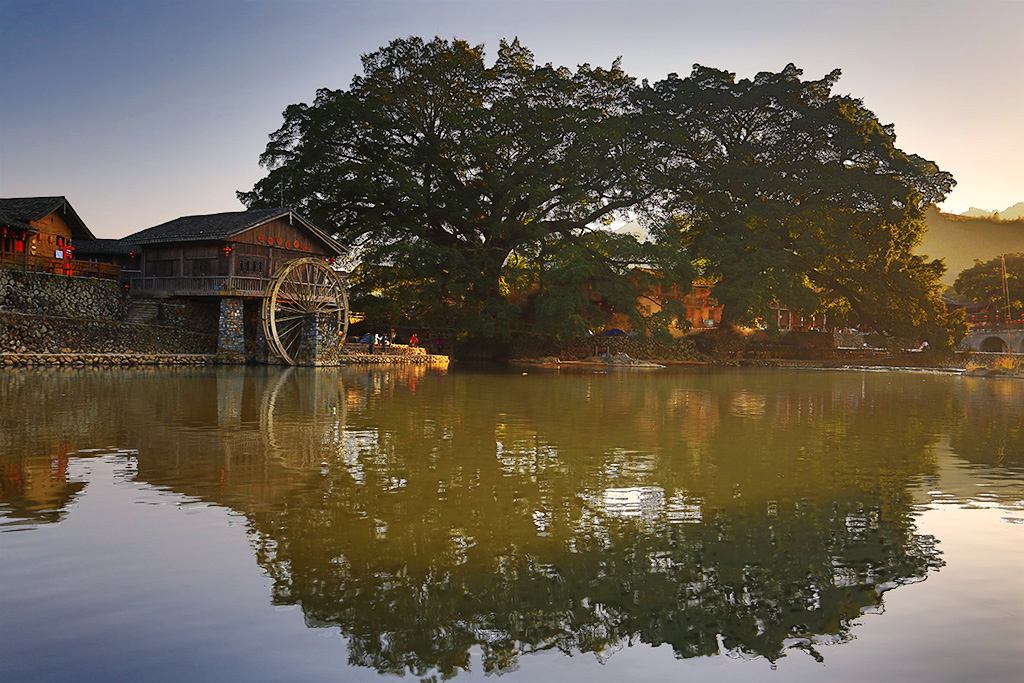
(42, 234)
(222, 263)
(223, 254)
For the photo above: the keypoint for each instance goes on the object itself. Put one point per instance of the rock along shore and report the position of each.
(150, 359)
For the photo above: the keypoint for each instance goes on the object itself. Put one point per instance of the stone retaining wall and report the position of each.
(393, 349)
(193, 315)
(391, 359)
(108, 359)
(59, 295)
(74, 321)
(44, 334)
(138, 359)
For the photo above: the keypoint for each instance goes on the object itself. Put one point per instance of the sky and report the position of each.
(142, 111)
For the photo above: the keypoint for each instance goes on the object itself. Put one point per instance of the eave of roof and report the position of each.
(9, 221)
(222, 226)
(28, 209)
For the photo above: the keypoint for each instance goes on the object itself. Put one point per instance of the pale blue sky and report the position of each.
(142, 111)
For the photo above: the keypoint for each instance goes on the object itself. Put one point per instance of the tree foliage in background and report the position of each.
(802, 197)
(983, 282)
(455, 179)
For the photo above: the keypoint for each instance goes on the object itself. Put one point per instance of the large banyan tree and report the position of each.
(459, 180)
(480, 195)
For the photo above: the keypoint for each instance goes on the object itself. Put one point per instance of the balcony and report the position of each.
(54, 266)
(213, 285)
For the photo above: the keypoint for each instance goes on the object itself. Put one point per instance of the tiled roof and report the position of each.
(219, 226)
(30, 208)
(19, 211)
(104, 247)
(214, 226)
(10, 221)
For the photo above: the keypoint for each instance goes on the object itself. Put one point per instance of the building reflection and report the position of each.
(429, 516)
(36, 489)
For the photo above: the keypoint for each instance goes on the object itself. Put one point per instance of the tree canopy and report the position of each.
(480, 196)
(983, 282)
(801, 196)
(442, 168)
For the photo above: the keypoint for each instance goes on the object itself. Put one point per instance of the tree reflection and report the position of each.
(745, 513)
(990, 429)
(504, 526)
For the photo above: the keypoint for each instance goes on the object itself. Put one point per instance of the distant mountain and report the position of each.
(960, 239)
(975, 212)
(1013, 213)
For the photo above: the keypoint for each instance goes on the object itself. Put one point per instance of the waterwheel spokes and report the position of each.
(301, 289)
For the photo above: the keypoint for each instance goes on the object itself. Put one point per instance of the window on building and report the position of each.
(251, 266)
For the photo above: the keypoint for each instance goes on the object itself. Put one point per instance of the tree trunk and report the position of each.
(490, 314)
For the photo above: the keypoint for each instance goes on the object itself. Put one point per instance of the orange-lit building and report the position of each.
(41, 233)
(702, 310)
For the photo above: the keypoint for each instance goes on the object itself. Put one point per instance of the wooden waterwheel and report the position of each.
(303, 291)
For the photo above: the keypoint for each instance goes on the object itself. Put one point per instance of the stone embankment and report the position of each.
(355, 353)
(58, 295)
(76, 321)
(103, 359)
(386, 359)
(29, 333)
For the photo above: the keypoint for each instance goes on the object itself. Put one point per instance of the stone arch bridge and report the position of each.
(995, 341)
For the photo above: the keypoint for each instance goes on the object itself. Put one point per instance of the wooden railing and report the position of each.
(55, 266)
(201, 285)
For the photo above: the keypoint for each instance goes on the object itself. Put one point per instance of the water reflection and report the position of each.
(430, 517)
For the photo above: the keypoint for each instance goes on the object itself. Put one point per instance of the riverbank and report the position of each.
(964, 363)
(8, 360)
(105, 359)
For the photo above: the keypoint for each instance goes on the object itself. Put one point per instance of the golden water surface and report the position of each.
(272, 524)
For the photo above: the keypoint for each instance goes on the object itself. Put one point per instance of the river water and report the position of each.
(264, 524)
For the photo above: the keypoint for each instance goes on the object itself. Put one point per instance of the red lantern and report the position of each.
(227, 250)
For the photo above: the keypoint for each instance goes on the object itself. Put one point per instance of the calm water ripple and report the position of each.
(272, 524)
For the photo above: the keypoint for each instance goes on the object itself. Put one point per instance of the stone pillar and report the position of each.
(231, 330)
(258, 349)
(319, 343)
